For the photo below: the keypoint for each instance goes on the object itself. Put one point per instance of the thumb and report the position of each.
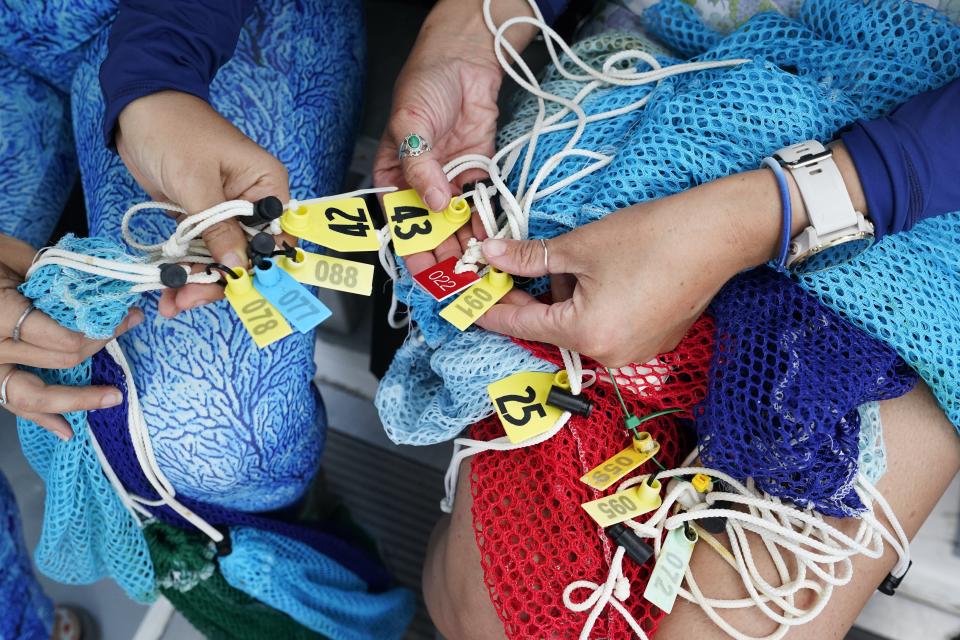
(226, 240)
(531, 258)
(549, 323)
(422, 171)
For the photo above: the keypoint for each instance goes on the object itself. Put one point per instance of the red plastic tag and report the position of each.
(441, 282)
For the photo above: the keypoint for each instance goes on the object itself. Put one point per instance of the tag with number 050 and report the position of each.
(521, 404)
(342, 225)
(667, 575)
(618, 466)
(258, 316)
(477, 300)
(415, 228)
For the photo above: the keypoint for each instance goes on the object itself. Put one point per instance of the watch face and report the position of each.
(840, 251)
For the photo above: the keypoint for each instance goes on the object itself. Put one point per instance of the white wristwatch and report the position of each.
(837, 232)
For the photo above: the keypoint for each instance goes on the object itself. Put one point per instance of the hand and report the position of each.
(447, 93)
(45, 344)
(181, 150)
(633, 282)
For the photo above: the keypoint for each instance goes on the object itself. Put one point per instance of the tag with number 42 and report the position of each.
(342, 225)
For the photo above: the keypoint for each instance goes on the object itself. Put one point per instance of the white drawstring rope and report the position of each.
(817, 548)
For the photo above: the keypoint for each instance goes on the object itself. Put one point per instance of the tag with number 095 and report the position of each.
(415, 228)
(619, 466)
(667, 575)
(521, 404)
(624, 505)
(330, 273)
(342, 225)
(475, 301)
(258, 316)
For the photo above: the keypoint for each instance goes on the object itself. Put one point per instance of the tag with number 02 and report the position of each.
(667, 575)
(616, 467)
(475, 301)
(342, 225)
(415, 228)
(258, 316)
(521, 404)
(329, 272)
(300, 307)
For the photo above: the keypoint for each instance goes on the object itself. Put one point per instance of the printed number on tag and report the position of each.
(442, 281)
(259, 317)
(610, 471)
(415, 228)
(520, 401)
(294, 301)
(624, 505)
(342, 225)
(475, 301)
(667, 575)
(330, 273)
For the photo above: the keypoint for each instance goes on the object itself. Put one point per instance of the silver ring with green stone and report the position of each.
(413, 145)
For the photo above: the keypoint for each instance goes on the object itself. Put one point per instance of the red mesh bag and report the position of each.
(534, 538)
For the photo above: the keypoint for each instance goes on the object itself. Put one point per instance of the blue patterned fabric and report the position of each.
(27, 612)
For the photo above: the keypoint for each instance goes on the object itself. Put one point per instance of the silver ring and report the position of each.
(3, 387)
(413, 145)
(546, 255)
(19, 325)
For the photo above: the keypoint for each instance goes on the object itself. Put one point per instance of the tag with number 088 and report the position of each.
(261, 320)
(611, 470)
(667, 575)
(477, 300)
(342, 225)
(329, 272)
(415, 228)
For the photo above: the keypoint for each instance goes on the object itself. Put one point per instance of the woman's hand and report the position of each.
(446, 93)
(181, 150)
(44, 344)
(631, 284)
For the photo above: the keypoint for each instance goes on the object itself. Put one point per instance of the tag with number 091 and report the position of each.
(624, 505)
(342, 225)
(294, 301)
(667, 575)
(415, 228)
(330, 273)
(258, 316)
(521, 404)
(475, 301)
(619, 466)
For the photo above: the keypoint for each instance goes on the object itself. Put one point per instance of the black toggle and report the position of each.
(560, 397)
(265, 211)
(636, 548)
(261, 245)
(173, 275)
(890, 583)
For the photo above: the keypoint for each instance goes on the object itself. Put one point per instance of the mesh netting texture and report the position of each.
(328, 540)
(190, 579)
(808, 78)
(533, 536)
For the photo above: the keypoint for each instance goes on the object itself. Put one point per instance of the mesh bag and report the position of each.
(872, 462)
(313, 589)
(787, 379)
(190, 579)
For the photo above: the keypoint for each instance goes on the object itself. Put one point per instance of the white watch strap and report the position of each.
(821, 186)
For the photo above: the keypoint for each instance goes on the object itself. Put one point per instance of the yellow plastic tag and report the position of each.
(667, 575)
(342, 225)
(261, 320)
(415, 228)
(624, 505)
(477, 299)
(521, 403)
(329, 272)
(619, 466)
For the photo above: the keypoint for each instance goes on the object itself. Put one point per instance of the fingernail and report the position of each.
(136, 317)
(63, 435)
(111, 399)
(494, 248)
(436, 200)
(200, 303)
(233, 260)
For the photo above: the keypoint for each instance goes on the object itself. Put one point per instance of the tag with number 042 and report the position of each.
(299, 307)
(415, 228)
(631, 502)
(477, 300)
(620, 465)
(521, 403)
(343, 224)
(258, 316)
(667, 575)
(329, 272)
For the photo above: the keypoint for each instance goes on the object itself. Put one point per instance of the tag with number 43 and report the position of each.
(415, 228)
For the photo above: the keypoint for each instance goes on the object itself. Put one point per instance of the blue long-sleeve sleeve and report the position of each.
(174, 44)
(907, 161)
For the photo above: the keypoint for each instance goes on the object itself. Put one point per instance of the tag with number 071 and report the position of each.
(667, 575)
(343, 224)
(520, 401)
(261, 320)
(477, 300)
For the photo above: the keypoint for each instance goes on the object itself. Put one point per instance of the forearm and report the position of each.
(460, 24)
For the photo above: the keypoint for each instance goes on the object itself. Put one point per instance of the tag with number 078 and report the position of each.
(343, 224)
(477, 300)
(667, 575)
(520, 401)
(261, 320)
